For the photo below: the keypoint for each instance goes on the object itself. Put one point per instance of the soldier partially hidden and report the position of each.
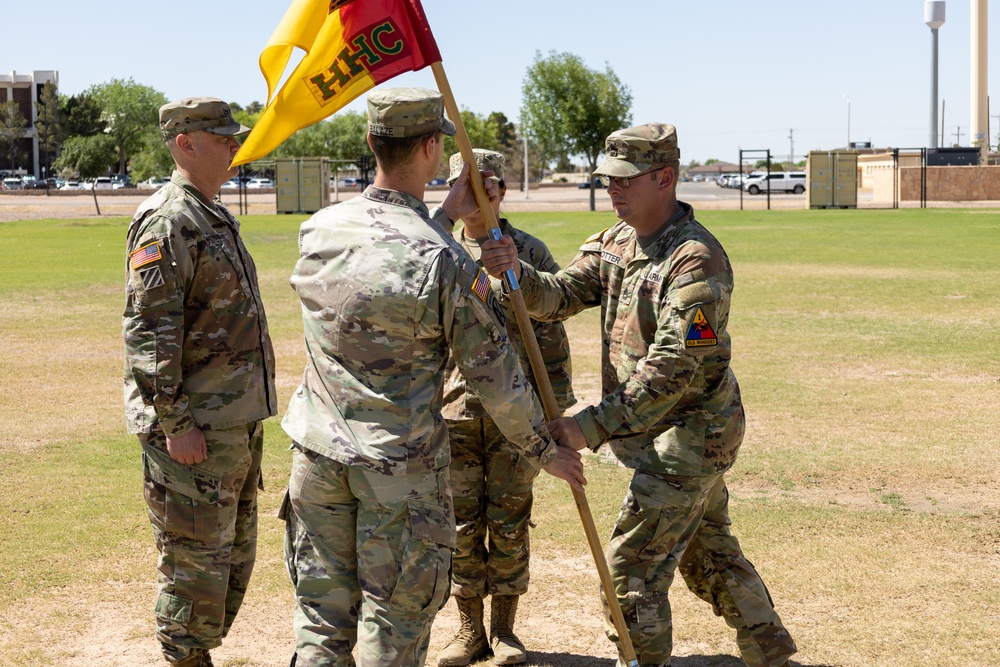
(671, 408)
(386, 296)
(199, 378)
(492, 482)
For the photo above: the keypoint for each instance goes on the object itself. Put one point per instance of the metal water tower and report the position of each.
(934, 18)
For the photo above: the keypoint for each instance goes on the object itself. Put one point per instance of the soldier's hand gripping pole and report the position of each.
(537, 366)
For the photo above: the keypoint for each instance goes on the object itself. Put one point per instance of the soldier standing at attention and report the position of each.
(199, 378)
(387, 295)
(671, 408)
(491, 481)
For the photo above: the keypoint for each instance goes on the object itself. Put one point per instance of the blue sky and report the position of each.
(728, 74)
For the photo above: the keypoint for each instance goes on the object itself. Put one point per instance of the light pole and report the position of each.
(848, 121)
(934, 18)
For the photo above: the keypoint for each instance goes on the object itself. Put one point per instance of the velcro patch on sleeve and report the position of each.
(151, 278)
(700, 333)
(145, 255)
(481, 285)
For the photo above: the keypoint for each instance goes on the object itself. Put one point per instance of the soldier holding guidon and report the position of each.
(671, 409)
(491, 481)
(387, 295)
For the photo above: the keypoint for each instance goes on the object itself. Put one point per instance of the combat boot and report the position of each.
(470, 642)
(507, 648)
(197, 658)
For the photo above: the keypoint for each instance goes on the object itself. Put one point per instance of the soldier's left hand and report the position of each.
(461, 199)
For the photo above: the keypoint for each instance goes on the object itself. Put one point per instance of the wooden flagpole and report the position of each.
(537, 366)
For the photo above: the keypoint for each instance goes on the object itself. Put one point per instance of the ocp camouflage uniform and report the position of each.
(197, 354)
(672, 411)
(386, 296)
(491, 484)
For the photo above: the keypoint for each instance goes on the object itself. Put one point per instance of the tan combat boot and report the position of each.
(507, 648)
(470, 642)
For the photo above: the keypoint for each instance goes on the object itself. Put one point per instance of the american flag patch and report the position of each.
(481, 285)
(145, 255)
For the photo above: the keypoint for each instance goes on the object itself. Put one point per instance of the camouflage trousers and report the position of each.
(204, 520)
(369, 556)
(668, 522)
(492, 489)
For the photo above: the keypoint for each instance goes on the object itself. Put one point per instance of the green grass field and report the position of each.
(867, 491)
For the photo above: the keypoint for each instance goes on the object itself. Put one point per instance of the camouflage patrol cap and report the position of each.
(199, 113)
(489, 160)
(634, 150)
(407, 112)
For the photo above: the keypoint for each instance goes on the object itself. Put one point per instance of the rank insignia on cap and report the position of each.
(145, 255)
(700, 333)
(481, 285)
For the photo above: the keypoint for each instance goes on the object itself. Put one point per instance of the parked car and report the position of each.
(72, 185)
(438, 181)
(156, 182)
(119, 181)
(32, 183)
(102, 183)
(260, 183)
(349, 181)
(777, 181)
(595, 181)
(11, 183)
(231, 184)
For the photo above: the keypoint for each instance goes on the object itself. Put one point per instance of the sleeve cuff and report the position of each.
(593, 432)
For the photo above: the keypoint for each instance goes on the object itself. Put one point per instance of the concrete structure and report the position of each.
(979, 107)
(25, 89)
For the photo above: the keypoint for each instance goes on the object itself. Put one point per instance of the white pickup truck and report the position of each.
(776, 181)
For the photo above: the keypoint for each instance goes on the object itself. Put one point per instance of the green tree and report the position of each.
(130, 110)
(89, 157)
(81, 116)
(482, 134)
(153, 160)
(48, 123)
(569, 109)
(12, 131)
(710, 161)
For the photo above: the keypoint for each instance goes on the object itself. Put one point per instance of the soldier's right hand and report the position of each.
(189, 448)
(498, 256)
(568, 465)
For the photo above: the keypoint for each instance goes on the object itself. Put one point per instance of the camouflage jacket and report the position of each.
(386, 295)
(671, 403)
(459, 403)
(197, 348)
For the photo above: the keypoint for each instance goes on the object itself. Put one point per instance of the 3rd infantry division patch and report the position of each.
(700, 333)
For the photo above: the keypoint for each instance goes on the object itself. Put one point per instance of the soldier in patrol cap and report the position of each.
(199, 380)
(386, 296)
(671, 409)
(492, 483)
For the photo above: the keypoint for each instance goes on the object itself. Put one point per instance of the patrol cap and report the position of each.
(634, 150)
(199, 113)
(489, 160)
(407, 112)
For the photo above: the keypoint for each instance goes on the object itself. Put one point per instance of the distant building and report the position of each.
(25, 90)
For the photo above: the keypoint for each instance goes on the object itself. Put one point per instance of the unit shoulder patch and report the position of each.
(700, 333)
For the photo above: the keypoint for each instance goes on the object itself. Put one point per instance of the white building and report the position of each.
(25, 89)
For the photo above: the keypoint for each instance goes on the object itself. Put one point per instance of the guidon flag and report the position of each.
(350, 47)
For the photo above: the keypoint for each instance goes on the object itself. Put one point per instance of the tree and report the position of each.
(81, 116)
(570, 109)
(48, 122)
(12, 131)
(130, 110)
(153, 160)
(482, 134)
(87, 156)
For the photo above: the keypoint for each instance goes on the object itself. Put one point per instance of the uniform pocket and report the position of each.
(223, 284)
(182, 499)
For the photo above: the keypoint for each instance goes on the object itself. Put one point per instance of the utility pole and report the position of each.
(791, 151)
(958, 135)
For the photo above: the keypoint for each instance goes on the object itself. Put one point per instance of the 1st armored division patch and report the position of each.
(700, 333)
